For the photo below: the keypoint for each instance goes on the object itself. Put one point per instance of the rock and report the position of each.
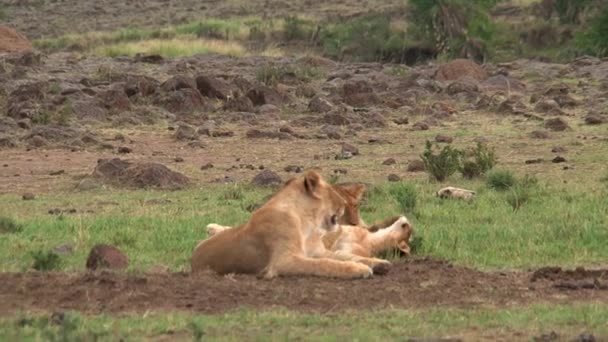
(28, 196)
(294, 168)
(267, 178)
(340, 171)
(24, 124)
(239, 104)
(540, 135)
(459, 68)
(559, 149)
(124, 150)
(549, 106)
(558, 159)
(88, 184)
(404, 120)
(416, 165)
(56, 173)
(207, 166)
(343, 156)
(567, 101)
(534, 161)
(222, 134)
(389, 161)
(556, 124)
(179, 101)
(255, 133)
(320, 104)
(213, 87)
(37, 141)
(149, 58)
(502, 84)
(106, 256)
(261, 95)
(140, 85)
(336, 119)
(305, 90)
(115, 100)
(348, 148)
(139, 175)
(359, 93)
(464, 85)
(206, 128)
(178, 159)
(421, 126)
(393, 178)
(442, 138)
(178, 82)
(594, 119)
(186, 132)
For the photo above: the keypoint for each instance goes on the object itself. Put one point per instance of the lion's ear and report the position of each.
(312, 183)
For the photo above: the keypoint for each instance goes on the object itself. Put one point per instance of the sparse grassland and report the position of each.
(474, 324)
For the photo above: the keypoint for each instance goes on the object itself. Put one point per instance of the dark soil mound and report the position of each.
(139, 175)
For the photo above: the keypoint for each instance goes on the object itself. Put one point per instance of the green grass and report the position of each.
(556, 225)
(470, 324)
(171, 48)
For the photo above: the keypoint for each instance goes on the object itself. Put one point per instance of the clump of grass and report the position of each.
(273, 74)
(212, 28)
(441, 165)
(234, 193)
(3, 14)
(484, 159)
(9, 226)
(296, 28)
(405, 195)
(522, 192)
(46, 261)
(501, 180)
(172, 48)
(604, 179)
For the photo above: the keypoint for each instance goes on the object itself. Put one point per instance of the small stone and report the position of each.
(416, 166)
(389, 161)
(207, 166)
(558, 159)
(340, 171)
(421, 126)
(404, 120)
(442, 138)
(124, 150)
(593, 119)
(56, 173)
(28, 196)
(106, 256)
(559, 149)
(294, 168)
(540, 135)
(353, 150)
(178, 159)
(534, 161)
(393, 178)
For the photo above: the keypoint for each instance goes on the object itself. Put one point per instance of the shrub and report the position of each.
(501, 180)
(483, 161)
(571, 11)
(594, 39)
(296, 28)
(441, 165)
(46, 261)
(458, 28)
(405, 195)
(9, 226)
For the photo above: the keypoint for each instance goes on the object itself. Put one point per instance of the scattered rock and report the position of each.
(389, 161)
(222, 134)
(261, 95)
(106, 256)
(558, 159)
(320, 104)
(183, 100)
(255, 133)
(336, 119)
(404, 120)
(416, 165)
(348, 148)
(459, 68)
(294, 168)
(548, 106)
(239, 104)
(534, 161)
(556, 124)
(267, 178)
(186, 132)
(178, 82)
(421, 126)
(213, 87)
(359, 93)
(540, 135)
(178, 159)
(28, 196)
(207, 166)
(594, 119)
(124, 150)
(559, 149)
(340, 171)
(442, 138)
(393, 178)
(56, 173)
(139, 175)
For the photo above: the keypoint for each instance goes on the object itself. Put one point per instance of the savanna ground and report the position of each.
(529, 261)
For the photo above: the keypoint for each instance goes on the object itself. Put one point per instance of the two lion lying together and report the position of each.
(309, 227)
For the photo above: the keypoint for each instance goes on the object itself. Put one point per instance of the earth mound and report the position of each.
(139, 175)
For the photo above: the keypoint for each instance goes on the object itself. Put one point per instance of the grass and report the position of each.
(557, 224)
(470, 324)
(171, 48)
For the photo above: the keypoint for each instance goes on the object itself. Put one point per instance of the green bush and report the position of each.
(297, 29)
(570, 11)
(9, 226)
(501, 180)
(594, 39)
(46, 261)
(483, 161)
(441, 165)
(457, 28)
(405, 195)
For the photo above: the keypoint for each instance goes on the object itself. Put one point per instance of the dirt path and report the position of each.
(413, 284)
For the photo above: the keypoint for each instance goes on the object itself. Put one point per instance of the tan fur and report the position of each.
(283, 237)
(452, 192)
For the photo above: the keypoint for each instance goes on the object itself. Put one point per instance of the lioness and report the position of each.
(284, 236)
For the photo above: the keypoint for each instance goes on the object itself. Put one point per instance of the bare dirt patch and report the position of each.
(411, 284)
